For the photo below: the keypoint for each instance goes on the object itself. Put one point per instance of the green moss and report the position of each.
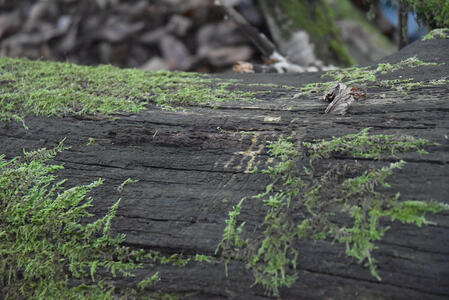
(368, 76)
(406, 85)
(45, 248)
(56, 89)
(364, 145)
(170, 296)
(441, 33)
(90, 141)
(41, 234)
(309, 200)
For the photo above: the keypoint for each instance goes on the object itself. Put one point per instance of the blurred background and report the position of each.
(195, 35)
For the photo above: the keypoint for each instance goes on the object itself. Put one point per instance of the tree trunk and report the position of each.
(194, 166)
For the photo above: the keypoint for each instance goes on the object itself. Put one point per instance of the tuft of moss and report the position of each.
(369, 76)
(41, 237)
(45, 248)
(308, 200)
(365, 145)
(440, 33)
(55, 89)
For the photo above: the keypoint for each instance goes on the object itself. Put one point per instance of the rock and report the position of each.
(300, 50)
(156, 63)
(77, 30)
(175, 53)
(37, 12)
(179, 25)
(152, 37)
(9, 23)
(219, 34)
(362, 45)
(117, 30)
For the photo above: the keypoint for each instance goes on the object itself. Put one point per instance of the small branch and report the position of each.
(258, 39)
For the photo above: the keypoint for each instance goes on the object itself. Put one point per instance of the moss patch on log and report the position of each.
(440, 33)
(45, 248)
(56, 89)
(369, 77)
(311, 199)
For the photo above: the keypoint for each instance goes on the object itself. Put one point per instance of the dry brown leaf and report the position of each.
(243, 67)
(341, 98)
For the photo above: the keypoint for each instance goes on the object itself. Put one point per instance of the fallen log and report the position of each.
(194, 165)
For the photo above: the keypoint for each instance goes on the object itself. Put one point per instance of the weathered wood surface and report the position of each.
(193, 166)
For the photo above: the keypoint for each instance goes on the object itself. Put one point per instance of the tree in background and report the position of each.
(434, 13)
(431, 13)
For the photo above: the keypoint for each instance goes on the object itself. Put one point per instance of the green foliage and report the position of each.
(434, 13)
(55, 89)
(300, 204)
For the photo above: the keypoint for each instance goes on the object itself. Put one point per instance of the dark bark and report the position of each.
(195, 166)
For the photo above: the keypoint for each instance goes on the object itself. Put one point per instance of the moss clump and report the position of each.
(364, 145)
(308, 199)
(44, 247)
(55, 89)
(41, 234)
(368, 76)
(440, 33)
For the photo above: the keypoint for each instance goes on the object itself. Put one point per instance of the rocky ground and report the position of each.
(190, 35)
(153, 35)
